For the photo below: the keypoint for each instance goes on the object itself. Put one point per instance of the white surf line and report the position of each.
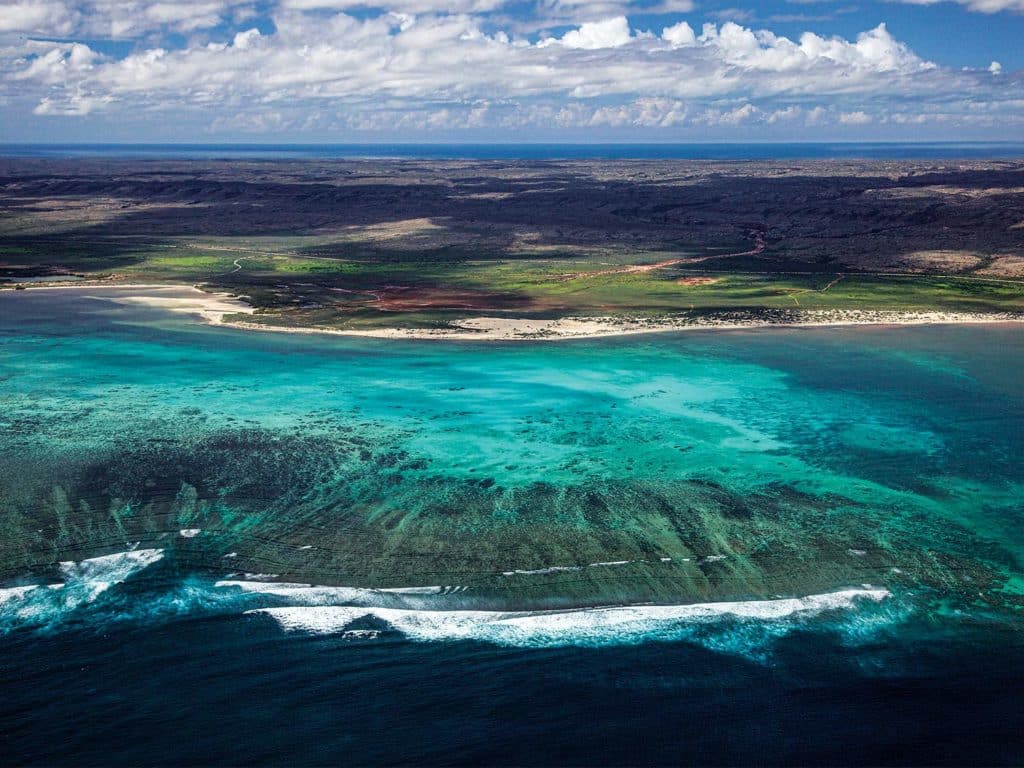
(285, 588)
(418, 590)
(605, 564)
(111, 568)
(551, 569)
(602, 625)
(714, 558)
(252, 583)
(84, 581)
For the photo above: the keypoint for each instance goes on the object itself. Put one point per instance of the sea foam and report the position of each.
(107, 570)
(594, 626)
(312, 595)
(428, 614)
(16, 594)
(84, 582)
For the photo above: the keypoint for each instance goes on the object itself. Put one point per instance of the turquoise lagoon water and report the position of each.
(786, 532)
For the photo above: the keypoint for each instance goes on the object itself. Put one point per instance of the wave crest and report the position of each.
(425, 614)
(594, 627)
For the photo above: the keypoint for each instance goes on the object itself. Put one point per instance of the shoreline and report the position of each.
(214, 308)
(568, 328)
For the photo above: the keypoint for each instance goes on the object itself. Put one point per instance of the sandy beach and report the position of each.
(223, 310)
(526, 329)
(210, 307)
(186, 299)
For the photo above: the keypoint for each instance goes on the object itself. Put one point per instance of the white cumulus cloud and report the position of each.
(36, 16)
(313, 65)
(609, 33)
(855, 118)
(679, 34)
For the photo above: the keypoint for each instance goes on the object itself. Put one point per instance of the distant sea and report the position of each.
(721, 151)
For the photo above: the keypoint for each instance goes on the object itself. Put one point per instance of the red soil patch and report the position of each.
(402, 298)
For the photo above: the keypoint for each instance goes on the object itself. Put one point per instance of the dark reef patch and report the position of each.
(323, 508)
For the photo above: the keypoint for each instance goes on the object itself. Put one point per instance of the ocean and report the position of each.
(621, 151)
(782, 546)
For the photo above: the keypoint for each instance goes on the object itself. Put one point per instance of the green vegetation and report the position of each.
(392, 243)
(289, 278)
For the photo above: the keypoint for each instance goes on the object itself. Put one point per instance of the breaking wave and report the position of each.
(616, 625)
(84, 582)
(104, 590)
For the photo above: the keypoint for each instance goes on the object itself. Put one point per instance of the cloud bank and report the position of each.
(342, 67)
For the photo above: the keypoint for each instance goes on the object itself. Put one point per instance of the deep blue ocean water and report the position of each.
(228, 691)
(708, 151)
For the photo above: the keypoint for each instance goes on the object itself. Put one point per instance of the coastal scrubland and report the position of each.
(423, 244)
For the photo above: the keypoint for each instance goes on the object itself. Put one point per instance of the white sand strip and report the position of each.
(213, 308)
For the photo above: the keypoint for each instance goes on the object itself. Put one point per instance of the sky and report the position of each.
(366, 71)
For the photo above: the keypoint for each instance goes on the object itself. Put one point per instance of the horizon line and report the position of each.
(494, 143)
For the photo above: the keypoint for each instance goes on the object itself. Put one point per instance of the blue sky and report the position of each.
(490, 70)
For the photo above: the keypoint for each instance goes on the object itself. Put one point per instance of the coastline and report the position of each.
(567, 328)
(210, 307)
(215, 309)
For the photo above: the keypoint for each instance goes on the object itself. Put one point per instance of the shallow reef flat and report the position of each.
(672, 469)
